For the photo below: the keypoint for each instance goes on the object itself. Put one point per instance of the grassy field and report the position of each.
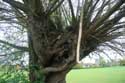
(97, 75)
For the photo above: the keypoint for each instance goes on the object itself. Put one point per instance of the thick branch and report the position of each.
(87, 6)
(3, 55)
(4, 10)
(11, 53)
(51, 5)
(14, 46)
(54, 8)
(54, 69)
(69, 63)
(36, 6)
(110, 23)
(107, 15)
(57, 69)
(90, 13)
(100, 11)
(72, 10)
(17, 5)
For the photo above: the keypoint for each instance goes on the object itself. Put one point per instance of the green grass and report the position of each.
(97, 75)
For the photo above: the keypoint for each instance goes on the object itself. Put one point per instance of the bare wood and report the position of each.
(79, 38)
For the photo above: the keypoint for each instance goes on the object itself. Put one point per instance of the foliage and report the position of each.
(102, 62)
(9, 74)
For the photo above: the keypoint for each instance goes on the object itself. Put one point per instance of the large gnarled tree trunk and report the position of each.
(50, 59)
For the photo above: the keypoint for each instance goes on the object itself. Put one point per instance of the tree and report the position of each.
(122, 62)
(102, 62)
(54, 27)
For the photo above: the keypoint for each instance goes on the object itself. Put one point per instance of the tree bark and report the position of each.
(57, 77)
(41, 57)
(33, 63)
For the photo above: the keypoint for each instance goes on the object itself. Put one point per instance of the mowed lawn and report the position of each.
(97, 75)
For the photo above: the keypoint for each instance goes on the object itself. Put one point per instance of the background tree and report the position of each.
(53, 27)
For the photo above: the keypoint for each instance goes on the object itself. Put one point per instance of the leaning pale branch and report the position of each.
(79, 37)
